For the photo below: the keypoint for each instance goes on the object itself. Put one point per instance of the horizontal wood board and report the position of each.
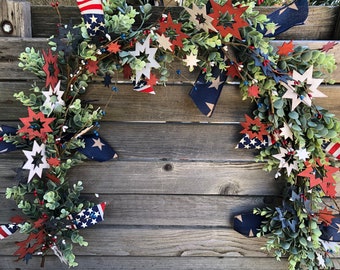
(45, 19)
(178, 180)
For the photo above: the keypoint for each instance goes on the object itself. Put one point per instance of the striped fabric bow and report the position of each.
(7, 230)
(93, 15)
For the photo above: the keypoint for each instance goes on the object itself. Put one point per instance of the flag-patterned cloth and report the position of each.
(143, 86)
(287, 16)
(93, 15)
(248, 224)
(88, 217)
(332, 149)
(5, 146)
(254, 143)
(96, 148)
(7, 230)
(331, 232)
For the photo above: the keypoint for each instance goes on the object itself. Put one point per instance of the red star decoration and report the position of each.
(233, 71)
(321, 174)
(55, 162)
(113, 47)
(232, 27)
(92, 66)
(325, 216)
(328, 46)
(286, 48)
(253, 91)
(35, 125)
(169, 26)
(33, 242)
(152, 80)
(127, 71)
(51, 68)
(254, 128)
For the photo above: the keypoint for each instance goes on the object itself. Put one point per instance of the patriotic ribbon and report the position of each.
(206, 97)
(249, 224)
(88, 217)
(5, 146)
(93, 15)
(7, 230)
(332, 149)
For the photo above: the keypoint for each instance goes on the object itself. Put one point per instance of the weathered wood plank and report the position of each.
(164, 177)
(44, 21)
(17, 13)
(159, 241)
(171, 103)
(166, 210)
(151, 263)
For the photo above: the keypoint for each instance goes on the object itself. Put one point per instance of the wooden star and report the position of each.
(54, 97)
(164, 42)
(150, 54)
(254, 128)
(50, 68)
(286, 132)
(302, 154)
(287, 160)
(200, 18)
(191, 61)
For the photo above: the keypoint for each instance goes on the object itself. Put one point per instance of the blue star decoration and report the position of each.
(107, 80)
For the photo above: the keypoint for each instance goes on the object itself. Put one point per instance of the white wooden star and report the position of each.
(286, 132)
(164, 42)
(36, 160)
(53, 97)
(302, 154)
(150, 61)
(200, 18)
(98, 143)
(287, 160)
(311, 84)
(191, 61)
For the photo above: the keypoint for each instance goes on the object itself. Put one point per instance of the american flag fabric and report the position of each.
(96, 148)
(143, 86)
(88, 217)
(332, 149)
(93, 15)
(5, 146)
(7, 230)
(255, 143)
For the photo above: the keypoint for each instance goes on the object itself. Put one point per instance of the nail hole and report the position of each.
(168, 167)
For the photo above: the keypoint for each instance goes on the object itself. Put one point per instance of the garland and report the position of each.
(222, 39)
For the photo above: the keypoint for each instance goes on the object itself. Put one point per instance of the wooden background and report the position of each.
(178, 181)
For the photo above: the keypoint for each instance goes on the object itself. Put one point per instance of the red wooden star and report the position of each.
(152, 80)
(325, 216)
(233, 70)
(253, 91)
(254, 128)
(328, 46)
(92, 66)
(35, 125)
(53, 161)
(286, 48)
(228, 26)
(320, 174)
(127, 71)
(51, 68)
(173, 31)
(113, 47)
(33, 242)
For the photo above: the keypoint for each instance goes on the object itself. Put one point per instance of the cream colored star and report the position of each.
(286, 132)
(200, 18)
(191, 61)
(302, 154)
(164, 42)
(98, 143)
(292, 6)
(215, 83)
(287, 160)
(93, 19)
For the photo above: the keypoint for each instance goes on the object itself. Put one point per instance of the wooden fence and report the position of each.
(178, 180)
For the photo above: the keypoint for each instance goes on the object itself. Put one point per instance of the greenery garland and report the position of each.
(264, 73)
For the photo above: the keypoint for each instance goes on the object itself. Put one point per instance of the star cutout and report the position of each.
(254, 128)
(173, 31)
(287, 160)
(286, 132)
(191, 61)
(302, 154)
(309, 85)
(150, 61)
(98, 143)
(200, 18)
(36, 160)
(36, 125)
(54, 97)
(216, 82)
(164, 42)
(113, 47)
(50, 68)
(234, 24)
